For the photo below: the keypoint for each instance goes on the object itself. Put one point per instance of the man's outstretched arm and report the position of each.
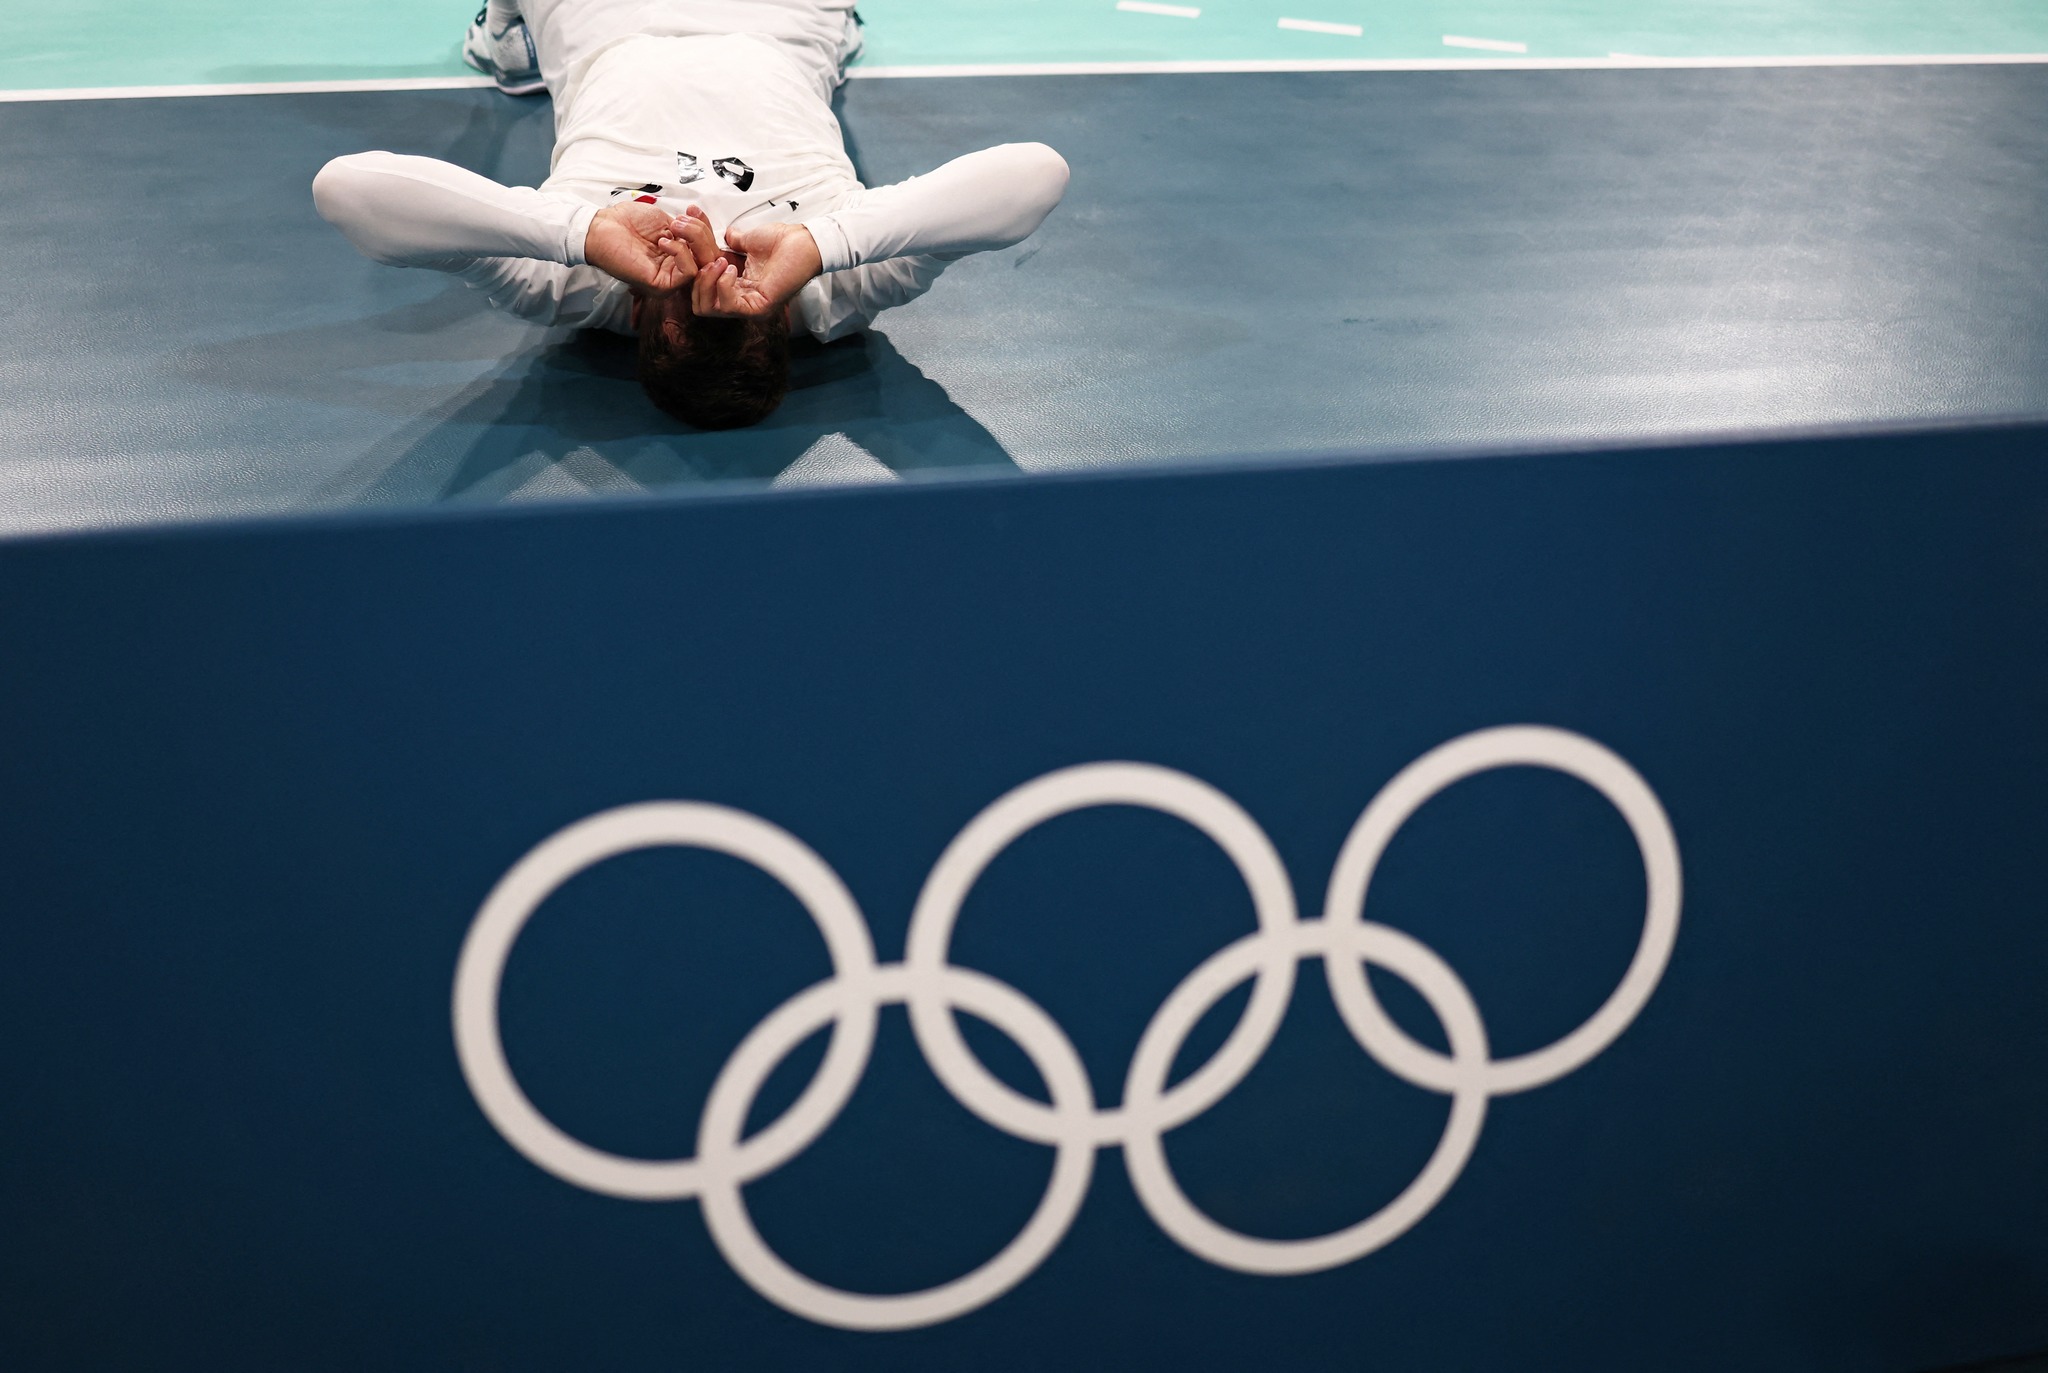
(879, 248)
(974, 204)
(419, 212)
(526, 248)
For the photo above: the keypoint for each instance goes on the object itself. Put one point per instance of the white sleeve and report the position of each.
(417, 212)
(549, 293)
(841, 303)
(985, 200)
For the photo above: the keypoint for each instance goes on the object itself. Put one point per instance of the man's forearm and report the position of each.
(983, 201)
(419, 212)
(845, 302)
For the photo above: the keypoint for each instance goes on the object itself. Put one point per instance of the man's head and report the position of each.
(712, 373)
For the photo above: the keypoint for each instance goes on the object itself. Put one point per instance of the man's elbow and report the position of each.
(1037, 177)
(343, 193)
(1045, 171)
(334, 187)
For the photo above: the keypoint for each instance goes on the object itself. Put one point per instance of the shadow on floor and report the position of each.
(560, 413)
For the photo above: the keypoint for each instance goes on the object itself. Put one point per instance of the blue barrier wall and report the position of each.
(1790, 793)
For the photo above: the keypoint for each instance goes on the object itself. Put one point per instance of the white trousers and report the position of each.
(821, 35)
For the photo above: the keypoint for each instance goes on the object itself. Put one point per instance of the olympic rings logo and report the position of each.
(1071, 1124)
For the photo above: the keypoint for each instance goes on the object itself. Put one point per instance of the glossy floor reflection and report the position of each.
(1282, 263)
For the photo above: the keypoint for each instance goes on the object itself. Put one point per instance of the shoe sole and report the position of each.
(531, 86)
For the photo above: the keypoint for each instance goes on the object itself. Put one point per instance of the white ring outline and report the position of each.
(1145, 1152)
(1482, 751)
(1026, 807)
(480, 970)
(725, 1113)
(932, 988)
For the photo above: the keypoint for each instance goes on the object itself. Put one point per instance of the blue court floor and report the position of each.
(1246, 264)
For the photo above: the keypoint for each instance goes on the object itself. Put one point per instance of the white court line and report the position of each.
(1331, 64)
(387, 83)
(1441, 64)
(1452, 40)
(1147, 7)
(1318, 26)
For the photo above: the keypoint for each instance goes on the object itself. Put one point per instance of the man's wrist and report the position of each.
(576, 238)
(835, 250)
(817, 255)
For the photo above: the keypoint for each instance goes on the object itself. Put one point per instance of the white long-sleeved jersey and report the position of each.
(732, 123)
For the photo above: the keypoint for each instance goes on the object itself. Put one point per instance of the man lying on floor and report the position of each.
(701, 197)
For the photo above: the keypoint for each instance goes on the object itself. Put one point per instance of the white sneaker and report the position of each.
(507, 58)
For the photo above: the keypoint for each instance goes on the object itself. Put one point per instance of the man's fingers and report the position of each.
(656, 268)
(696, 231)
(721, 291)
(680, 258)
(724, 300)
(745, 297)
(704, 295)
(684, 258)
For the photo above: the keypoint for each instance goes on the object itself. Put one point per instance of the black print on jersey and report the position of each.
(734, 170)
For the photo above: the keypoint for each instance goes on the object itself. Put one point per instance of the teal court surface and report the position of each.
(98, 43)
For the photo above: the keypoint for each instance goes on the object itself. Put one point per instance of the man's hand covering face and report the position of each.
(639, 245)
(756, 276)
(777, 259)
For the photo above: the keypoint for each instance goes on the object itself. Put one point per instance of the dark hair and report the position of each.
(715, 373)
